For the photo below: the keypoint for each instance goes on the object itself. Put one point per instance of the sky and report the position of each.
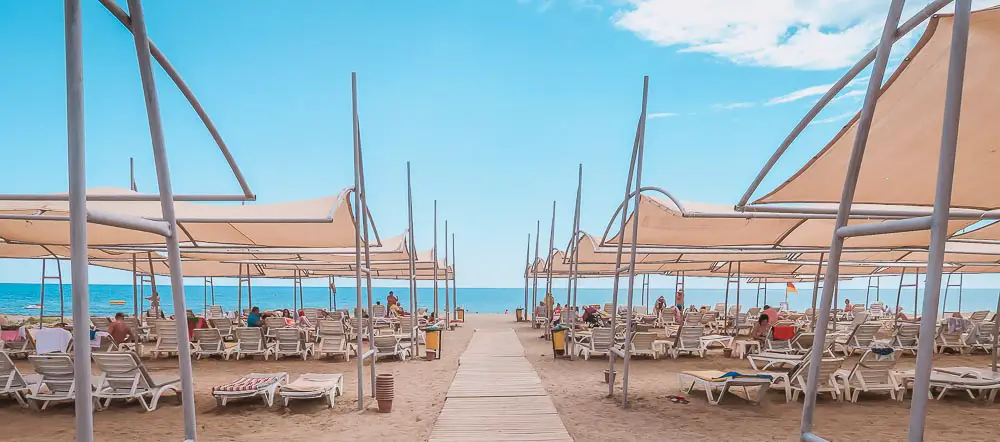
(494, 103)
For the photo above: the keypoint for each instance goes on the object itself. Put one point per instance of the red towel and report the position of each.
(783, 332)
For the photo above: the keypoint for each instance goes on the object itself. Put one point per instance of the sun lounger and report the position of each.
(13, 383)
(945, 382)
(56, 383)
(125, 377)
(166, 338)
(981, 337)
(254, 384)
(946, 339)
(208, 342)
(642, 344)
(599, 343)
(827, 380)
(250, 342)
(313, 386)
(390, 346)
(871, 373)
(225, 326)
(688, 340)
(906, 338)
(100, 322)
(713, 380)
(214, 312)
(860, 338)
(288, 341)
(979, 316)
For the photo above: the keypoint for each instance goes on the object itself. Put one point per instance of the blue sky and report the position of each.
(495, 103)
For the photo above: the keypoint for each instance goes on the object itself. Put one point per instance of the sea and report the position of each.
(23, 299)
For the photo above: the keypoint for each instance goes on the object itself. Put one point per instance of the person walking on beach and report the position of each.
(661, 303)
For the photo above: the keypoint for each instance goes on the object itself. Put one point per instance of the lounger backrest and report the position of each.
(133, 323)
(720, 307)
(857, 309)
(984, 332)
(708, 317)
(689, 336)
(10, 377)
(607, 308)
(225, 325)
(734, 310)
(208, 337)
(166, 334)
(328, 327)
(272, 322)
(214, 311)
(860, 317)
(336, 315)
(805, 340)
(693, 318)
(979, 315)
(123, 370)
(601, 338)
(874, 369)
(948, 337)
(907, 334)
(876, 310)
(385, 344)
(667, 315)
(378, 311)
(250, 338)
(643, 341)
(741, 319)
(311, 314)
(100, 322)
(56, 371)
(828, 367)
(287, 339)
(864, 335)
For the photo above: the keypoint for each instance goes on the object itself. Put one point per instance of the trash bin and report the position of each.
(460, 314)
(559, 340)
(519, 314)
(433, 342)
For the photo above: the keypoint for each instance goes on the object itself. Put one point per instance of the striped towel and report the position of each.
(247, 384)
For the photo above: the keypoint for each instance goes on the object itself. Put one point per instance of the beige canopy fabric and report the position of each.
(663, 224)
(561, 266)
(189, 267)
(791, 268)
(989, 232)
(590, 252)
(320, 222)
(900, 163)
(392, 249)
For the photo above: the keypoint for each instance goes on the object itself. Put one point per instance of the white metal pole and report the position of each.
(414, 338)
(167, 206)
(844, 209)
(358, 210)
(78, 219)
(534, 275)
(447, 300)
(434, 253)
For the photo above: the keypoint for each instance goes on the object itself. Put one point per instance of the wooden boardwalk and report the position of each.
(497, 396)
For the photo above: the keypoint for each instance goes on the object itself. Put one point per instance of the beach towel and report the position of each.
(733, 374)
(246, 384)
(313, 382)
(958, 325)
(52, 340)
(784, 332)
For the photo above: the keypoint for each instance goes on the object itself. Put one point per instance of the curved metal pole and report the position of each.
(125, 20)
(434, 253)
(358, 210)
(635, 236)
(534, 274)
(621, 240)
(414, 339)
(548, 275)
(454, 275)
(573, 281)
(167, 206)
(527, 272)
(844, 210)
(447, 301)
(939, 218)
(819, 268)
(906, 27)
(41, 298)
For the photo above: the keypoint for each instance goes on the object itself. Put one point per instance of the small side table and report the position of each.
(742, 348)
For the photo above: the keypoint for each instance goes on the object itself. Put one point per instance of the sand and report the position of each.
(580, 395)
(420, 392)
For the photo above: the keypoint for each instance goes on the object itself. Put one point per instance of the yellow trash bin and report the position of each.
(460, 314)
(433, 338)
(558, 341)
(519, 313)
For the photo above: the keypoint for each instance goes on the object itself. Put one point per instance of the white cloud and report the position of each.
(835, 118)
(799, 94)
(660, 115)
(731, 106)
(800, 34)
(860, 93)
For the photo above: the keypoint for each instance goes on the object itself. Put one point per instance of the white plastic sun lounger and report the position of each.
(313, 386)
(390, 346)
(254, 384)
(289, 342)
(250, 342)
(828, 382)
(714, 380)
(945, 382)
(125, 377)
(871, 373)
(208, 342)
(56, 371)
(13, 383)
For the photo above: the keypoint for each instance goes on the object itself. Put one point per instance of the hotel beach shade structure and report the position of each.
(81, 219)
(918, 142)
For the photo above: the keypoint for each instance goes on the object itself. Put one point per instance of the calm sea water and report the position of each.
(14, 298)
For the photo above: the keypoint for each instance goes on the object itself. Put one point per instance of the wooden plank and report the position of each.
(497, 395)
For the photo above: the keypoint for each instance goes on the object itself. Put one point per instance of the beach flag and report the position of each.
(790, 288)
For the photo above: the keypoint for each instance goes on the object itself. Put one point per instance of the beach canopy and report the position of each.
(989, 232)
(905, 138)
(320, 222)
(392, 249)
(662, 223)
(591, 252)
(189, 267)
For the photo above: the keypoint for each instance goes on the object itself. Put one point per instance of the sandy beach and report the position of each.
(580, 395)
(420, 391)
